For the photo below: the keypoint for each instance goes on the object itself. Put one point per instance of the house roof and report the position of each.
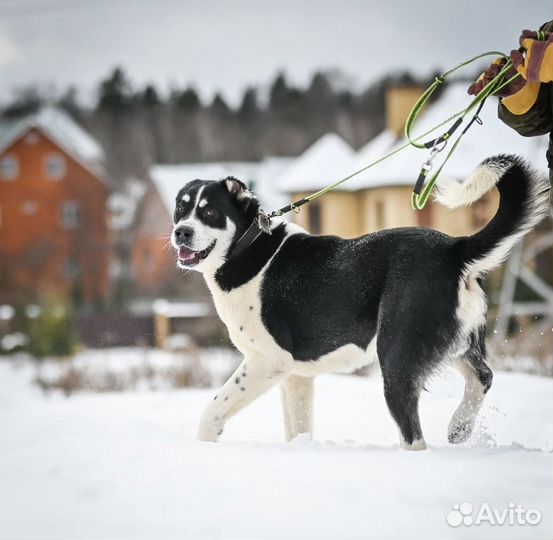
(60, 127)
(376, 147)
(168, 179)
(482, 141)
(327, 160)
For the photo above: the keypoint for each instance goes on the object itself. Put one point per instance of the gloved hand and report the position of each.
(491, 73)
(536, 65)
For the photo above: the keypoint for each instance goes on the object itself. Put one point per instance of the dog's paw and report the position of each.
(211, 425)
(209, 432)
(207, 436)
(415, 446)
(458, 433)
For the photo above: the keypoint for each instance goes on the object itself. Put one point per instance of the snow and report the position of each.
(127, 465)
(124, 204)
(7, 312)
(12, 341)
(325, 161)
(137, 368)
(180, 309)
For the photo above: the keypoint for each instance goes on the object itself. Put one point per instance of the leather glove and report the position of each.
(491, 73)
(536, 65)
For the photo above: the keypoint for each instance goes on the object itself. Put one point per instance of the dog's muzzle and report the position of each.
(187, 257)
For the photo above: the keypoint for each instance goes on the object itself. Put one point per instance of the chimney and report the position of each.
(400, 100)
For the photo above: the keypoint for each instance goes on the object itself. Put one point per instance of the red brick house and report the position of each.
(53, 212)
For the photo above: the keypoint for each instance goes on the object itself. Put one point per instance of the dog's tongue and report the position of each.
(186, 254)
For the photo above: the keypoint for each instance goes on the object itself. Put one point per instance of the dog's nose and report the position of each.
(183, 233)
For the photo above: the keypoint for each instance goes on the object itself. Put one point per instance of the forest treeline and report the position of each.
(141, 126)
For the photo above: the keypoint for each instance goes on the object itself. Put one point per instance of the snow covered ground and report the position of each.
(126, 465)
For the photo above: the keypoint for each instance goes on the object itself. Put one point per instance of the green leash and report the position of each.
(423, 190)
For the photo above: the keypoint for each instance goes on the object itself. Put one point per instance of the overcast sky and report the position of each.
(224, 46)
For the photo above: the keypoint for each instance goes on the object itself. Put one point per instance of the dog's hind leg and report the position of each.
(253, 377)
(297, 405)
(402, 397)
(478, 379)
(402, 385)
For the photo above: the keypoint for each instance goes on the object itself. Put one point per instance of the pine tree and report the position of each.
(279, 93)
(219, 106)
(115, 92)
(187, 100)
(149, 97)
(249, 108)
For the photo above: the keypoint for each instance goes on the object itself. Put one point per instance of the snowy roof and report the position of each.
(327, 160)
(377, 147)
(60, 127)
(124, 203)
(169, 179)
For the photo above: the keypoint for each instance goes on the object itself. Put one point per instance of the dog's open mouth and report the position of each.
(188, 257)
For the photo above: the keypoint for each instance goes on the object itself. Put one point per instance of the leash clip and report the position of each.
(437, 147)
(294, 208)
(427, 166)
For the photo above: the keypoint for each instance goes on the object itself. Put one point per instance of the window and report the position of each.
(29, 208)
(314, 217)
(9, 168)
(55, 166)
(70, 215)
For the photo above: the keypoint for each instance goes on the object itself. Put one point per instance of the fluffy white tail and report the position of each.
(523, 203)
(480, 181)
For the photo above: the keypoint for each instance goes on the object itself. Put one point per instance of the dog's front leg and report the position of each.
(252, 378)
(297, 405)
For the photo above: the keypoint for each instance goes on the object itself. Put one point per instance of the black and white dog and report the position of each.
(297, 305)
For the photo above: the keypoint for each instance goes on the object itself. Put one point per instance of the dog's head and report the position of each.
(210, 216)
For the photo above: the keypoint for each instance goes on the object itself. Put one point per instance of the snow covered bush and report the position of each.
(133, 368)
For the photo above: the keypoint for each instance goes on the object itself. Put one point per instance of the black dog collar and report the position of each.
(260, 225)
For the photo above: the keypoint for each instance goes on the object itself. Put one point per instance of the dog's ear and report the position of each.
(238, 191)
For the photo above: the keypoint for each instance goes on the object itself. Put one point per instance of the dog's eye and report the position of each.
(210, 212)
(180, 208)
